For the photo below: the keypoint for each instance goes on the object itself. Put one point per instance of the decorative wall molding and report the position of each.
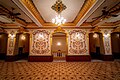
(107, 42)
(11, 41)
(59, 29)
(40, 43)
(77, 42)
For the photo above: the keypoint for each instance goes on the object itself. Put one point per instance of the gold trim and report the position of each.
(96, 29)
(22, 30)
(29, 4)
(88, 4)
(59, 29)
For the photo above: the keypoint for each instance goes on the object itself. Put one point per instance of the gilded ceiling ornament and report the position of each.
(58, 6)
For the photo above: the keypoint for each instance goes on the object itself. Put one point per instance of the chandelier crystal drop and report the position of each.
(58, 20)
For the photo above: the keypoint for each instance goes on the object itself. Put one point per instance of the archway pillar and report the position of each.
(10, 56)
(107, 56)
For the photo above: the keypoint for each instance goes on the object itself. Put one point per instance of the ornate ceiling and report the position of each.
(79, 13)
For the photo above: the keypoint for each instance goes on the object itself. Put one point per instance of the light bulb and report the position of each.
(53, 20)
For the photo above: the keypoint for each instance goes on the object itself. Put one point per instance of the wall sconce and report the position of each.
(58, 43)
(95, 35)
(117, 35)
(0, 36)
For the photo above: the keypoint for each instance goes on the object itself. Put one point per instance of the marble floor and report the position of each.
(60, 70)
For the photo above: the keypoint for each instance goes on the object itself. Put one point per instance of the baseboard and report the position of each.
(2, 56)
(40, 58)
(11, 58)
(107, 57)
(116, 55)
(78, 58)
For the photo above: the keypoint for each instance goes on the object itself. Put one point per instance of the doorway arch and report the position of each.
(115, 42)
(59, 44)
(96, 46)
(3, 45)
(22, 46)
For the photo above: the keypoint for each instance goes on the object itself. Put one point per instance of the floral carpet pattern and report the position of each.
(60, 70)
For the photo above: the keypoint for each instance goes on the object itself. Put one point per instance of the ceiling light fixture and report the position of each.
(58, 7)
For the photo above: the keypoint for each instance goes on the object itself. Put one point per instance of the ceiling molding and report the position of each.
(116, 29)
(116, 23)
(86, 24)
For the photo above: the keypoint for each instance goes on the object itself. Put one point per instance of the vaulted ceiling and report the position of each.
(79, 13)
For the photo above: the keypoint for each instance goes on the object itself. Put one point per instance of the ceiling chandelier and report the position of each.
(58, 7)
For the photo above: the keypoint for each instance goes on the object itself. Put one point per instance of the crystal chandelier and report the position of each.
(58, 7)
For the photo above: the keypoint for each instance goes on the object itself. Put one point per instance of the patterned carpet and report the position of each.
(60, 70)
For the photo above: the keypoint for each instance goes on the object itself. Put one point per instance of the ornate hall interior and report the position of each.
(60, 39)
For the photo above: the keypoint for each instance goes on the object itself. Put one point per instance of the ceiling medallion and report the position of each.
(58, 7)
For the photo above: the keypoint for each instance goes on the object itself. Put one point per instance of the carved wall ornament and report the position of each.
(107, 42)
(59, 29)
(77, 42)
(40, 42)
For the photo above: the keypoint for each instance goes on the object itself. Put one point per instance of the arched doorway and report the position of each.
(115, 42)
(96, 47)
(59, 46)
(22, 46)
(3, 45)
